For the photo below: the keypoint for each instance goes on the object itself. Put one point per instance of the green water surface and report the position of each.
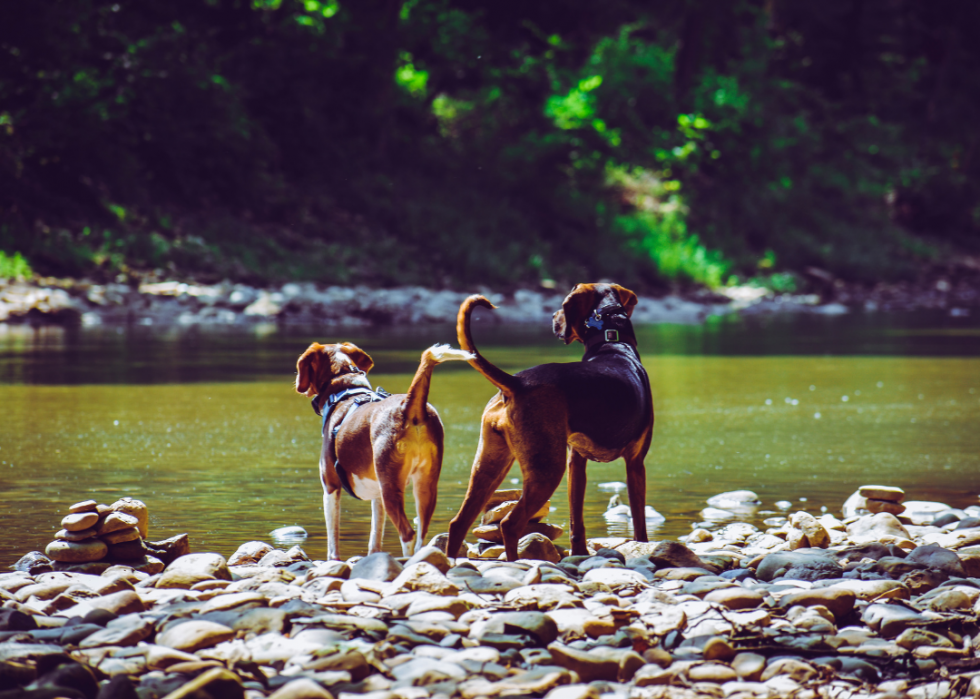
(205, 427)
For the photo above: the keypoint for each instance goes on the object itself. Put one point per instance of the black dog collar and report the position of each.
(608, 324)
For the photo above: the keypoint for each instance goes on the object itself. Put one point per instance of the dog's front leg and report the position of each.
(377, 525)
(636, 487)
(576, 502)
(331, 512)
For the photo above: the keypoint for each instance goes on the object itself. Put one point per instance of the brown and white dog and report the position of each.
(374, 443)
(599, 408)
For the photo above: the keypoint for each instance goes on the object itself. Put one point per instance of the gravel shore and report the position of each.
(167, 303)
(871, 604)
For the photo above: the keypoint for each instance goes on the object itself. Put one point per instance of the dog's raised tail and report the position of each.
(418, 392)
(495, 375)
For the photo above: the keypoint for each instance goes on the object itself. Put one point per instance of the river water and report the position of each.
(205, 427)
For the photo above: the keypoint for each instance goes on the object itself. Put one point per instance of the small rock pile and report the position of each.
(96, 536)
(537, 535)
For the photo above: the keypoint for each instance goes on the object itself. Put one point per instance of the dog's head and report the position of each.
(320, 364)
(569, 322)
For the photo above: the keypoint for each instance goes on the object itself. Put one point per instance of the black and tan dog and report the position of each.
(374, 443)
(599, 408)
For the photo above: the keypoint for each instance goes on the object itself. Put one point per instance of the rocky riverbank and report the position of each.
(883, 603)
(154, 302)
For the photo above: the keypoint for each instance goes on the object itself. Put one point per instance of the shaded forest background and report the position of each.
(453, 142)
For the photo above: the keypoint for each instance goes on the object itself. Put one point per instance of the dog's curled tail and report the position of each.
(418, 392)
(495, 375)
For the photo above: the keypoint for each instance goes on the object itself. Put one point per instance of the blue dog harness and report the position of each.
(360, 396)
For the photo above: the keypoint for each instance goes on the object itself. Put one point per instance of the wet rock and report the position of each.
(194, 635)
(114, 521)
(807, 532)
(425, 577)
(168, 550)
(875, 506)
(537, 547)
(380, 566)
(541, 627)
(802, 564)
(938, 558)
(33, 563)
(217, 682)
(302, 688)
(673, 554)
(794, 669)
(76, 551)
(15, 620)
(749, 666)
(882, 492)
(599, 663)
(194, 568)
(921, 512)
(135, 508)
(875, 527)
(890, 620)
(838, 600)
(433, 556)
(121, 535)
(736, 598)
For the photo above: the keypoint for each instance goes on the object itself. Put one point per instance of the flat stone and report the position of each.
(890, 620)
(121, 535)
(191, 636)
(65, 535)
(796, 670)
(736, 597)
(882, 492)
(838, 600)
(600, 663)
(83, 506)
(802, 564)
(868, 590)
(76, 551)
(875, 506)
(673, 554)
(616, 577)
(80, 521)
(115, 521)
(250, 552)
(718, 648)
(911, 639)
(749, 666)
(685, 574)
(216, 682)
(301, 688)
(124, 631)
(711, 672)
(537, 625)
(193, 568)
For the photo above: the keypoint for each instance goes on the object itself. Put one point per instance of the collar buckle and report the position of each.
(612, 336)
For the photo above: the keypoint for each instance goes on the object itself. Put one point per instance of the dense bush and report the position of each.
(452, 142)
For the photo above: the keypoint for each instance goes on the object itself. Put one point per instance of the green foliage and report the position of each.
(453, 142)
(14, 266)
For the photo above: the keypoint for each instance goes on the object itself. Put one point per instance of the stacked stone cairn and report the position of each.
(96, 536)
(536, 539)
(868, 606)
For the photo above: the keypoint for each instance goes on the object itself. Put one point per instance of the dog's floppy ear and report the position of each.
(569, 322)
(360, 358)
(307, 367)
(627, 299)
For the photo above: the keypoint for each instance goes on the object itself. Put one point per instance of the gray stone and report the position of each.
(537, 625)
(938, 558)
(124, 631)
(425, 577)
(380, 566)
(194, 568)
(433, 556)
(802, 564)
(673, 554)
(890, 620)
(194, 635)
(76, 551)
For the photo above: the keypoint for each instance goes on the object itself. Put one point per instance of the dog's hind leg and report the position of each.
(331, 513)
(490, 466)
(377, 525)
(576, 501)
(425, 485)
